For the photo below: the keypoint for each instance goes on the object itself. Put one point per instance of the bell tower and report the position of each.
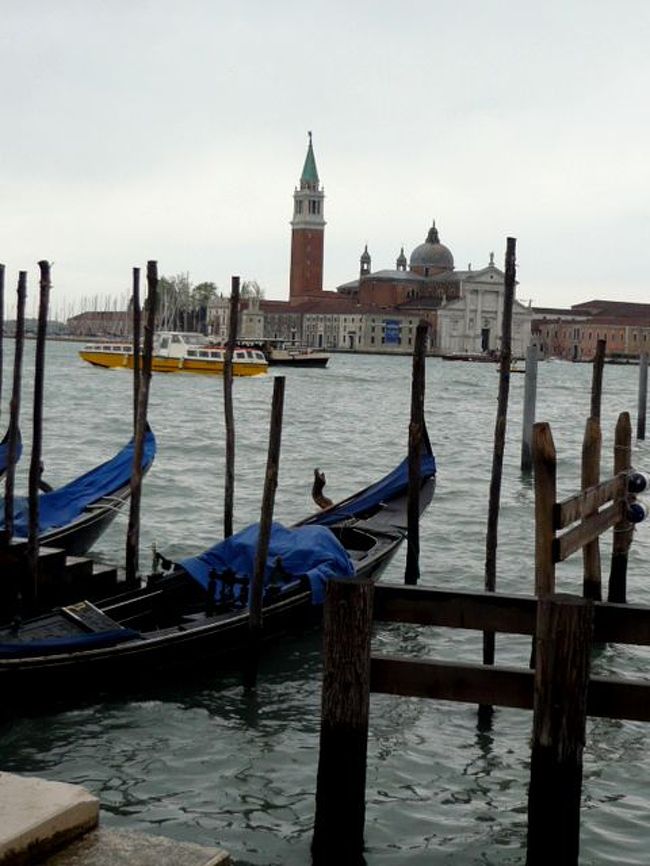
(307, 233)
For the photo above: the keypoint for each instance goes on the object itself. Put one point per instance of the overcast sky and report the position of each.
(177, 131)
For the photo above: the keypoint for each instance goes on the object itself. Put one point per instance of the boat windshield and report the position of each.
(194, 339)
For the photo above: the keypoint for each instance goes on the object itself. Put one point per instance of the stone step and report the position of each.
(56, 824)
(40, 816)
(104, 847)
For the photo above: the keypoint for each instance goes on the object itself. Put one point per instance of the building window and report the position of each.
(299, 206)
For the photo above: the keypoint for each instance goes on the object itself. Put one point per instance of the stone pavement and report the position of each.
(56, 824)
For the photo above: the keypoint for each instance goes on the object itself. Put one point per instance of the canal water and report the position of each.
(199, 759)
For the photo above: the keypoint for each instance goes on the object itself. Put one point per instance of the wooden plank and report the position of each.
(562, 653)
(512, 614)
(452, 681)
(574, 539)
(622, 623)
(615, 698)
(500, 686)
(575, 507)
(483, 610)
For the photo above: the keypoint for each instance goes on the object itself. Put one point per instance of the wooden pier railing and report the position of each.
(560, 690)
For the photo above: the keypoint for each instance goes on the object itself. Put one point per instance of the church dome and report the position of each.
(432, 254)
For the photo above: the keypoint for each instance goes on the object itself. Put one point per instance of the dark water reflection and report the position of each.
(196, 757)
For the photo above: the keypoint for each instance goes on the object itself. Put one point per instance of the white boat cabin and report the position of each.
(191, 344)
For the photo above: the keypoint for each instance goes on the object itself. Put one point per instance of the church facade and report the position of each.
(379, 310)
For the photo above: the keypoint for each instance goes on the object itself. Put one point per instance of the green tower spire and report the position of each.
(309, 177)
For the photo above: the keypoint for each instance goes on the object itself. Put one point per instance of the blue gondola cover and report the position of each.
(65, 504)
(312, 551)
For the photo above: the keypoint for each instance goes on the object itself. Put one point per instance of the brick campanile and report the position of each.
(307, 233)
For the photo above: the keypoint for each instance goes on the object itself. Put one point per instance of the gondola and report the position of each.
(197, 609)
(4, 452)
(74, 516)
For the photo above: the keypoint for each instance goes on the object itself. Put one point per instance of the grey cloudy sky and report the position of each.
(176, 131)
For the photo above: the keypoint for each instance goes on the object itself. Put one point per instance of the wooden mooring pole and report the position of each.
(341, 780)
(133, 531)
(591, 449)
(597, 379)
(530, 399)
(563, 650)
(643, 396)
(264, 537)
(623, 531)
(491, 541)
(2, 327)
(229, 487)
(545, 462)
(416, 433)
(137, 325)
(14, 407)
(35, 465)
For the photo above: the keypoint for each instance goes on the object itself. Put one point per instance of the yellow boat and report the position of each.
(177, 352)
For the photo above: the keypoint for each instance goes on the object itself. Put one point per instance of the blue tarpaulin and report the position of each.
(312, 551)
(63, 505)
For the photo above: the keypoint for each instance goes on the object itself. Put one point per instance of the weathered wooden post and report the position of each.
(643, 396)
(14, 408)
(623, 531)
(563, 648)
(597, 379)
(341, 780)
(499, 443)
(545, 463)
(229, 493)
(35, 466)
(591, 448)
(530, 399)
(264, 537)
(2, 327)
(136, 344)
(416, 432)
(133, 531)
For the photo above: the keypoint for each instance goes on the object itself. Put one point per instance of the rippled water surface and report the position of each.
(200, 759)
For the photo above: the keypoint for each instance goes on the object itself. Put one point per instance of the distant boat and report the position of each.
(178, 352)
(514, 368)
(289, 353)
(477, 357)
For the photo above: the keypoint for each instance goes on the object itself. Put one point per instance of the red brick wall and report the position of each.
(306, 277)
(382, 293)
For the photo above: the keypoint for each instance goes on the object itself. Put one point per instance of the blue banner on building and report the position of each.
(392, 331)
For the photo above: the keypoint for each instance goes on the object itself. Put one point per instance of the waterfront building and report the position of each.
(573, 333)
